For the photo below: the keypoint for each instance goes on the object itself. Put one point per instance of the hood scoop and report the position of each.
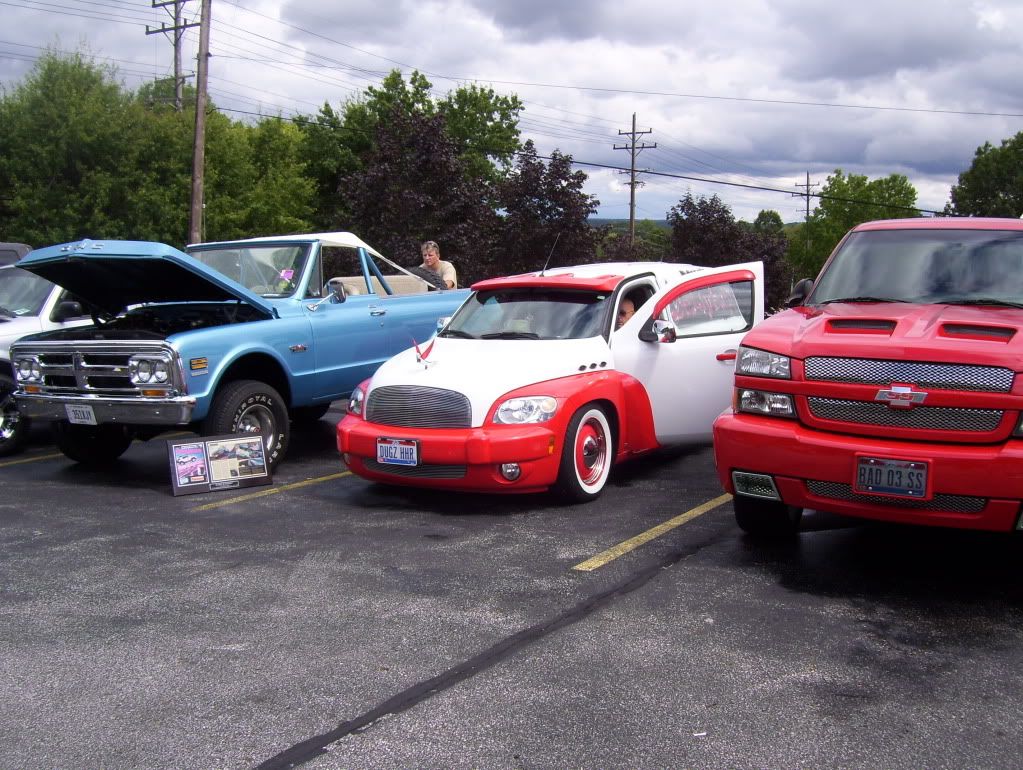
(861, 326)
(981, 332)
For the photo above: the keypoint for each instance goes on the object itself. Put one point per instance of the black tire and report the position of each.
(249, 406)
(92, 445)
(586, 456)
(13, 427)
(766, 518)
(305, 415)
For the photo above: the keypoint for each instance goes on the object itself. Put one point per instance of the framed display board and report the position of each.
(216, 462)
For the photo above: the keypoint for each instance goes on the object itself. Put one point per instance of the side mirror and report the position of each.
(337, 291)
(67, 309)
(800, 292)
(664, 331)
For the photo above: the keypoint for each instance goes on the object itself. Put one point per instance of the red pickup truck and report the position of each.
(891, 388)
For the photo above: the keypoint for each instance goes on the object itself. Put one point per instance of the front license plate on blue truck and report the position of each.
(397, 451)
(896, 478)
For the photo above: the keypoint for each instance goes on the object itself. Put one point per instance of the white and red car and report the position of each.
(530, 386)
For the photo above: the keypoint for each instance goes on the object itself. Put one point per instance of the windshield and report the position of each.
(21, 292)
(271, 270)
(926, 266)
(530, 313)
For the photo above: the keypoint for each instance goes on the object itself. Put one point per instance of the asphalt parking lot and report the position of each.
(325, 622)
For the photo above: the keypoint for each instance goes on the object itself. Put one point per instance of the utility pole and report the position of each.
(179, 30)
(199, 144)
(806, 222)
(634, 150)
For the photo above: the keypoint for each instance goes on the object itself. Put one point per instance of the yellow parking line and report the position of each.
(271, 491)
(645, 537)
(33, 459)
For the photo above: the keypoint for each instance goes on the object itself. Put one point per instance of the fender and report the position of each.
(630, 404)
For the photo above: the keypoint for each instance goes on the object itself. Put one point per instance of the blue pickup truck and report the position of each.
(230, 337)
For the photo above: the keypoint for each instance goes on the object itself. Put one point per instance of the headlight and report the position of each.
(145, 371)
(761, 363)
(760, 402)
(356, 400)
(27, 369)
(515, 411)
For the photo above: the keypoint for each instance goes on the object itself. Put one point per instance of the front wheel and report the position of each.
(250, 406)
(586, 456)
(766, 518)
(92, 445)
(13, 427)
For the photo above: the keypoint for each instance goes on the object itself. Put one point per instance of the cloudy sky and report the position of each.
(736, 96)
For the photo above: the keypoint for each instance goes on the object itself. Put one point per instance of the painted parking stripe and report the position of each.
(33, 459)
(645, 537)
(272, 491)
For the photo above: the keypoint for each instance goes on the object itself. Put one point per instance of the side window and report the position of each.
(719, 309)
(337, 262)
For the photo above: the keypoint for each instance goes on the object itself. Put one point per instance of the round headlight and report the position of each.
(161, 372)
(145, 371)
(526, 409)
(24, 369)
(355, 401)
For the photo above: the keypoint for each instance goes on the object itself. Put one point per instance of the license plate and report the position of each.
(896, 478)
(397, 451)
(80, 415)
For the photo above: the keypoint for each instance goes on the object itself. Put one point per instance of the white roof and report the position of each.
(348, 240)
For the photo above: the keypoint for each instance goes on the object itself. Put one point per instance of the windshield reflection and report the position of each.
(530, 313)
(925, 266)
(272, 270)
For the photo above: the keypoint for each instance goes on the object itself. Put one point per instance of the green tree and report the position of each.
(545, 214)
(414, 187)
(846, 201)
(62, 170)
(652, 242)
(993, 184)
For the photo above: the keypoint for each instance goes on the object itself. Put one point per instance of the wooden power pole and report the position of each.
(634, 150)
(199, 144)
(178, 31)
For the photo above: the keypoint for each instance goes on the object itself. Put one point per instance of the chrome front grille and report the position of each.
(990, 379)
(946, 503)
(99, 369)
(412, 406)
(919, 417)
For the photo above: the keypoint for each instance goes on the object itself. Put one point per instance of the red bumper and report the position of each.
(972, 487)
(464, 458)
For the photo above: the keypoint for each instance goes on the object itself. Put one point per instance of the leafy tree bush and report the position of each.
(993, 184)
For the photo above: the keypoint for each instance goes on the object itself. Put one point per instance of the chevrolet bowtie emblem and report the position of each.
(900, 396)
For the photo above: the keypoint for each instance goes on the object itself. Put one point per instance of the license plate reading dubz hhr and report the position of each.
(898, 478)
(397, 451)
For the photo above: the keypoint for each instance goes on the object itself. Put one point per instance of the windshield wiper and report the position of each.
(457, 333)
(982, 301)
(510, 336)
(860, 299)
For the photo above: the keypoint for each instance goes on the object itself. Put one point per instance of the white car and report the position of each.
(28, 304)
(533, 385)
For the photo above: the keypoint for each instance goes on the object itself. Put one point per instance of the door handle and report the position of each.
(377, 311)
(727, 355)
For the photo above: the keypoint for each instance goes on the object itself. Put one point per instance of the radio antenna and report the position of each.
(551, 254)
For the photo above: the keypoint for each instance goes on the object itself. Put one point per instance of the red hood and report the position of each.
(953, 333)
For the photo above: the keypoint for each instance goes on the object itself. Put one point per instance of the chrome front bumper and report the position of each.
(127, 411)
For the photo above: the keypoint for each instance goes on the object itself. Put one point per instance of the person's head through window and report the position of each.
(625, 311)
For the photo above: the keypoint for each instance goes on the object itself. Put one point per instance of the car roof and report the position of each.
(943, 223)
(600, 276)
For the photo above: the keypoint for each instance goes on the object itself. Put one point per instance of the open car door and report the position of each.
(682, 343)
